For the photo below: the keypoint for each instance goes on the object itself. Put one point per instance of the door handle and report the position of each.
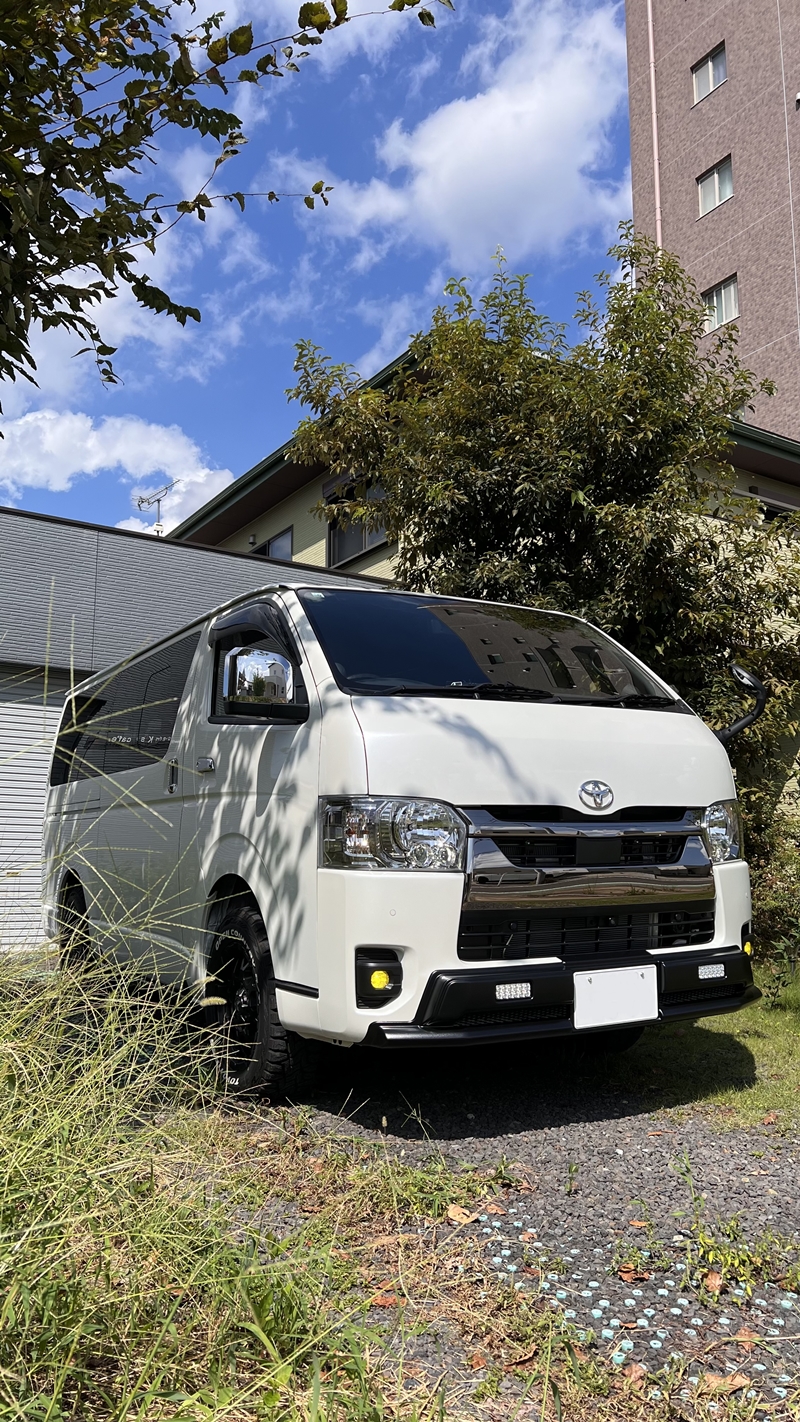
(172, 781)
(205, 764)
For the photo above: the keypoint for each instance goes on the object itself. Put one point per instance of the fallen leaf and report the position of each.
(629, 1325)
(636, 1373)
(527, 1235)
(526, 1269)
(478, 1361)
(316, 1164)
(711, 1383)
(713, 1281)
(655, 1133)
(638, 1224)
(746, 1338)
(518, 1362)
(631, 1276)
(495, 1210)
(384, 1301)
(457, 1215)
(770, 1118)
(385, 1286)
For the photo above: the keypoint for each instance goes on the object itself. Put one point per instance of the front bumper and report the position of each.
(461, 1007)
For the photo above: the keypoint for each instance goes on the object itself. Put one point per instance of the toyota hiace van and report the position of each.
(398, 819)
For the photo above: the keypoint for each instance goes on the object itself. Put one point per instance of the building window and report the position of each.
(278, 547)
(350, 542)
(722, 303)
(710, 73)
(715, 186)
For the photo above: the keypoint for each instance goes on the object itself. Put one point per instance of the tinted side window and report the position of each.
(80, 743)
(128, 722)
(143, 706)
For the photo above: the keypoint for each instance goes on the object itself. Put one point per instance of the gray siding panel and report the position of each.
(29, 717)
(47, 592)
(80, 597)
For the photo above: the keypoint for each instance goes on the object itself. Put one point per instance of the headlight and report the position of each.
(722, 830)
(367, 832)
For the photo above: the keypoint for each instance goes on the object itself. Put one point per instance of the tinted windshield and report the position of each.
(399, 644)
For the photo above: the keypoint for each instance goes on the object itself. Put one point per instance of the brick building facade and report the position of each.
(715, 154)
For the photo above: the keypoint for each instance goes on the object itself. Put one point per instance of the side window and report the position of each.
(80, 743)
(144, 700)
(265, 643)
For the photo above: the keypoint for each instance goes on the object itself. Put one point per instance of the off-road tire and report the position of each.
(251, 1046)
(74, 940)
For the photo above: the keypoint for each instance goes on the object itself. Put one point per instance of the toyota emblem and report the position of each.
(596, 795)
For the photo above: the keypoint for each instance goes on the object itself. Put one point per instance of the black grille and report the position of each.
(489, 937)
(556, 1013)
(564, 851)
(702, 994)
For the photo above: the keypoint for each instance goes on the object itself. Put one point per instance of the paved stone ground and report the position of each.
(597, 1158)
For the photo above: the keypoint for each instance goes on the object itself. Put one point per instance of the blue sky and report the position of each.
(506, 125)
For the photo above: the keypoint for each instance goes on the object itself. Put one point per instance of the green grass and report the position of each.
(739, 1068)
(139, 1283)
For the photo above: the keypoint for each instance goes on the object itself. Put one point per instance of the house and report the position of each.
(269, 511)
(76, 597)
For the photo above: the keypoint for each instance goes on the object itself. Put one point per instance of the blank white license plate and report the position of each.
(615, 995)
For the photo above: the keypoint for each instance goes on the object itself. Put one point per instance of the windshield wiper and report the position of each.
(637, 698)
(508, 690)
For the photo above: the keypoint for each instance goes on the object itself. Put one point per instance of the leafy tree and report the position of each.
(86, 90)
(591, 477)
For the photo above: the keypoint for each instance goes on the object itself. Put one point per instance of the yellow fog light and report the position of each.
(748, 948)
(379, 979)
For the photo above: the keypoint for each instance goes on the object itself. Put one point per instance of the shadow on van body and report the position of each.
(497, 1091)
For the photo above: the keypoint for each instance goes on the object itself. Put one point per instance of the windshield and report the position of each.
(397, 644)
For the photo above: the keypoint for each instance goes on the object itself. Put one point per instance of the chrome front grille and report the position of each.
(557, 860)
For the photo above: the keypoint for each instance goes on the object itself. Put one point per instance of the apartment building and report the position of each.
(715, 152)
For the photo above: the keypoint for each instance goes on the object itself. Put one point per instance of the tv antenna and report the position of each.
(147, 500)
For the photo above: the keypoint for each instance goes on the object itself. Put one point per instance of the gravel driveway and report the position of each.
(599, 1152)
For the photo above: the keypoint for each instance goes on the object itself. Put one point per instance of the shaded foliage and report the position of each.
(590, 477)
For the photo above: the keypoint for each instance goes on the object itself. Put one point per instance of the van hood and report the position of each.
(471, 752)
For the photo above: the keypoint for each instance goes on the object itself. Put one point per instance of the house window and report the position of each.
(715, 186)
(280, 546)
(350, 542)
(710, 73)
(722, 303)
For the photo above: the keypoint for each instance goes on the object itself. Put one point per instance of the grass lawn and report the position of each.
(740, 1068)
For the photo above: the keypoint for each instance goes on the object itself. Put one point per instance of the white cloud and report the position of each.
(396, 322)
(50, 450)
(519, 163)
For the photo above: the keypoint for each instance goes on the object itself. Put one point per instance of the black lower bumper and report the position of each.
(461, 1007)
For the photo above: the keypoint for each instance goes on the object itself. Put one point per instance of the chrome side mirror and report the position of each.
(254, 681)
(751, 684)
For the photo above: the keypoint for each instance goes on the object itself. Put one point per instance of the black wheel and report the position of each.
(250, 1044)
(614, 1040)
(74, 941)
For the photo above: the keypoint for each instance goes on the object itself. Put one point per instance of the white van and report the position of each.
(398, 819)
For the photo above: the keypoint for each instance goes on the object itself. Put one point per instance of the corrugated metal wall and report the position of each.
(28, 721)
(80, 597)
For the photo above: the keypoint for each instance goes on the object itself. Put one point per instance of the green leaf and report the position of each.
(427, 18)
(314, 15)
(241, 40)
(340, 11)
(318, 187)
(448, 3)
(397, 5)
(248, 76)
(556, 1398)
(218, 51)
(308, 200)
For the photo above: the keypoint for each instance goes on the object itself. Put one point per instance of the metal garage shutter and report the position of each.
(27, 726)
